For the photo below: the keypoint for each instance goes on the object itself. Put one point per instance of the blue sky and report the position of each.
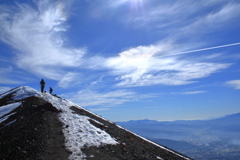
(127, 59)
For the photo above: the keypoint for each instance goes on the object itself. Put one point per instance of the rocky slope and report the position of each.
(42, 126)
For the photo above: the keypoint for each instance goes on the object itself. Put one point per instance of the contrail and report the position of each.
(204, 49)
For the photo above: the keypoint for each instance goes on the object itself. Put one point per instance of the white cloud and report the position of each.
(194, 92)
(180, 20)
(36, 34)
(89, 97)
(214, 21)
(234, 83)
(170, 14)
(69, 79)
(212, 56)
(161, 15)
(93, 98)
(138, 67)
(189, 92)
(149, 65)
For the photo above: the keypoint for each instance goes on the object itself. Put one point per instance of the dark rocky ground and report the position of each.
(37, 134)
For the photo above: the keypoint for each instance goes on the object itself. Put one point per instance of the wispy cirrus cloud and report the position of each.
(170, 20)
(171, 15)
(93, 98)
(37, 36)
(7, 74)
(234, 83)
(89, 97)
(161, 63)
(213, 21)
(138, 67)
(189, 92)
(70, 79)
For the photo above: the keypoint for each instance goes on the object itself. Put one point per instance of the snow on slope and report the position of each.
(77, 129)
(6, 109)
(23, 92)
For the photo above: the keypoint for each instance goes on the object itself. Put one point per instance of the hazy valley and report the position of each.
(199, 139)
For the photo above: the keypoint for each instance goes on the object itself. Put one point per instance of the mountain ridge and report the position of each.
(84, 135)
(208, 119)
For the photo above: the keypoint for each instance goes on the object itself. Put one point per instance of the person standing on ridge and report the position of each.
(50, 90)
(42, 83)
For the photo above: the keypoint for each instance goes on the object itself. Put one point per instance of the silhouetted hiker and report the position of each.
(42, 83)
(50, 90)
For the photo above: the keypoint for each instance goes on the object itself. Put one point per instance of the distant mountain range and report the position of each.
(217, 138)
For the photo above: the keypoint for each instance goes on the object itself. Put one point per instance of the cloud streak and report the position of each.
(89, 97)
(169, 16)
(93, 98)
(162, 63)
(70, 79)
(37, 36)
(234, 83)
(189, 92)
(203, 49)
(139, 67)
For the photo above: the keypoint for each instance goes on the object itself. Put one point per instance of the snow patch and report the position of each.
(8, 108)
(22, 92)
(159, 158)
(97, 122)
(10, 122)
(77, 129)
(6, 117)
(79, 132)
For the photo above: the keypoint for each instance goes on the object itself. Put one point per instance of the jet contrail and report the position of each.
(204, 49)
